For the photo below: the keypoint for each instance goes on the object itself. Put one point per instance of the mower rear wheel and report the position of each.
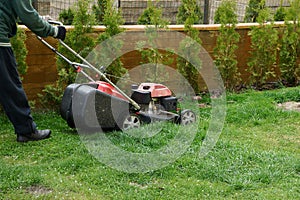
(130, 121)
(187, 117)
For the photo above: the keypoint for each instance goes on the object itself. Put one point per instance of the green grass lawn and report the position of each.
(257, 157)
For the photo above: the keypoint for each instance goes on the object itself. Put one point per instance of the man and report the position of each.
(12, 94)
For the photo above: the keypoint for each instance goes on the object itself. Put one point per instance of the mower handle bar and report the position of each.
(80, 65)
(87, 65)
(101, 74)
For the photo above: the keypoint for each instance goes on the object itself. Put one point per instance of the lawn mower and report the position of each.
(101, 104)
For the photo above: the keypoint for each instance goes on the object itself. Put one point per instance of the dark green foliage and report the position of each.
(152, 15)
(66, 16)
(253, 9)
(289, 54)
(99, 10)
(264, 44)
(224, 52)
(112, 19)
(189, 9)
(290, 46)
(280, 14)
(226, 13)
(20, 51)
(145, 18)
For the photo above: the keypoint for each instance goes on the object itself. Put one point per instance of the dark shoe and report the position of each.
(37, 135)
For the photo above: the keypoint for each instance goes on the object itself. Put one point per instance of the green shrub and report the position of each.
(280, 14)
(112, 19)
(66, 16)
(264, 44)
(152, 18)
(99, 10)
(253, 10)
(290, 46)
(152, 15)
(184, 12)
(224, 52)
(190, 63)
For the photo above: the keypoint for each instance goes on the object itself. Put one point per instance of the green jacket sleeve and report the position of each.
(30, 18)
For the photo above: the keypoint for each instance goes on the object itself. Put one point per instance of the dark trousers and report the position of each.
(12, 94)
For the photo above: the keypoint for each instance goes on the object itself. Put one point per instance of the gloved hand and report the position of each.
(61, 33)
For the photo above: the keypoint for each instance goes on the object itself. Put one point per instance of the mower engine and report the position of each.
(154, 98)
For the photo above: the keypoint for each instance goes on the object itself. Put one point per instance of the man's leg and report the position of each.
(12, 95)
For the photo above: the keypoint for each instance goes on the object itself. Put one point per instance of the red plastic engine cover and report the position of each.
(156, 89)
(109, 89)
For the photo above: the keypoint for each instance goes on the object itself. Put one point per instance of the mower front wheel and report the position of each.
(187, 117)
(129, 121)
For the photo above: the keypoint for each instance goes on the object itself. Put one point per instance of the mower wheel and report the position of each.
(130, 121)
(187, 117)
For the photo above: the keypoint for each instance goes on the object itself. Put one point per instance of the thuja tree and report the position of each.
(67, 16)
(111, 48)
(253, 10)
(79, 40)
(154, 21)
(290, 46)
(224, 52)
(264, 43)
(280, 14)
(99, 10)
(188, 61)
(184, 10)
